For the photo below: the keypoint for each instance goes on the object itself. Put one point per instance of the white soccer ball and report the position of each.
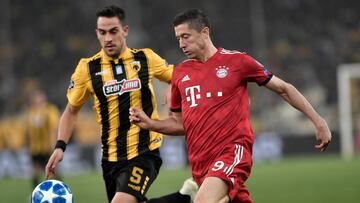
(52, 191)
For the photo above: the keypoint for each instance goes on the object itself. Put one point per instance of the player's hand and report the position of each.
(323, 136)
(139, 118)
(54, 160)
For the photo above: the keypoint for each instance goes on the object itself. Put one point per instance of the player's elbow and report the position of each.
(72, 109)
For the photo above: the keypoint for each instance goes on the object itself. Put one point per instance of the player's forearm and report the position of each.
(168, 126)
(298, 101)
(67, 123)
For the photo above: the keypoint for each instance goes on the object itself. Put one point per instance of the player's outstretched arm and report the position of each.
(170, 126)
(65, 129)
(290, 94)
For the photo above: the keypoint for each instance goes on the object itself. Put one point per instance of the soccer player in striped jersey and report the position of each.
(41, 122)
(210, 105)
(116, 78)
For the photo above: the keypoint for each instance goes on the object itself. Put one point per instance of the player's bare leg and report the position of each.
(121, 197)
(212, 190)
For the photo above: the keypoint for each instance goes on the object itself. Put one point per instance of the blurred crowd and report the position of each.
(302, 41)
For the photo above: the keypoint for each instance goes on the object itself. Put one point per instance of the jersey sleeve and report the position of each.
(175, 105)
(253, 71)
(78, 92)
(162, 70)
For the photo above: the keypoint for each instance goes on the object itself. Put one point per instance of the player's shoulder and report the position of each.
(146, 51)
(82, 67)
(153, 59)
(227, 52)
(150, 54)
(184, 66)
(235, 55)
(84, 61)
(52, 107)
(186, 62)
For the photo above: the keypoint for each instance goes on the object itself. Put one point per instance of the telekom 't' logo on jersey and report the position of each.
(192, 94)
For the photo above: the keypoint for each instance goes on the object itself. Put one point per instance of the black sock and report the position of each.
(171, 198)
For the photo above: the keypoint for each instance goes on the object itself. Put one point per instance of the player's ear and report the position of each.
(206, 31)
(97, 33)
(126, 30)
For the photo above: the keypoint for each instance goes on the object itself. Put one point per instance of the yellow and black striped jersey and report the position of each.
(116, 85)
(41, 125)
(13, 132)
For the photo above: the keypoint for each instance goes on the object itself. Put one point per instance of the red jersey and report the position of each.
(213, 99)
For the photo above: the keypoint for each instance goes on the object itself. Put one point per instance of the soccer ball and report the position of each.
(52, 191)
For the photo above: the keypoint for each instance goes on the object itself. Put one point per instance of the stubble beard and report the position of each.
(113, 54)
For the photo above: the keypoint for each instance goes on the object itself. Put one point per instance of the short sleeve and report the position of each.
(78, 92)
(254, 71)
(175, 96)
(162, 70)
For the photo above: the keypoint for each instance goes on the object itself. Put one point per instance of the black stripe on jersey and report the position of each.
(147, 105)
(124, 106)
(97, 83)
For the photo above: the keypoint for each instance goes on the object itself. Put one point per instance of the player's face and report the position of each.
(191, 42)
(112, 35)
(38, 98)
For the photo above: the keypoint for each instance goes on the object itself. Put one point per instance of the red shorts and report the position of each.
(233, 165)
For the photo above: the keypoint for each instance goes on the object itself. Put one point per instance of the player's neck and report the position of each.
(208, 52)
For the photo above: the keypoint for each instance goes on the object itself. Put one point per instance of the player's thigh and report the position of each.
(121, 197)
(214, 190)
(233, 166)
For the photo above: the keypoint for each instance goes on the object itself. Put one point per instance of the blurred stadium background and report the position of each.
(301, 41)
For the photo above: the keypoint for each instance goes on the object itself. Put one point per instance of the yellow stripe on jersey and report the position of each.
(132, 150)
(115, 85)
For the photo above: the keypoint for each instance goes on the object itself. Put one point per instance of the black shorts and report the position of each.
(40, 159)
(133, 176)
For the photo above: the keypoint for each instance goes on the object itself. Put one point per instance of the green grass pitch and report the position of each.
(293, 180)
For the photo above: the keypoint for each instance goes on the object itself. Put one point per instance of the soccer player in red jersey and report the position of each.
(210, 105)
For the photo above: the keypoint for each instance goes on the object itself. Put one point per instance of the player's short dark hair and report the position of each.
(194, 17)
(112, 11)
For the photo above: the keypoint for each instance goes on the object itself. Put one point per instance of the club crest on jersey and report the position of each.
(135, 65)
(115, 87)
(222, 71)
